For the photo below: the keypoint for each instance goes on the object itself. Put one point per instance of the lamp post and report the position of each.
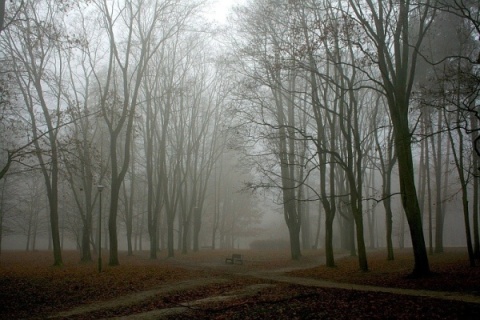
(100, 188)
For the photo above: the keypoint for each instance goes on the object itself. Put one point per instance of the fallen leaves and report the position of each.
(450, 272)
(31, 288)
(299, 302)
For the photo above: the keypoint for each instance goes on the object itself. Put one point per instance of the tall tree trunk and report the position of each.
(112, 222)
(170, 234)
(357, 214)
(185, 235)
(86, 233)
(197, 224)
(439, 203)
(295, 249)
(329, 257)
(429, 193)
(129, 209)
(389, 228)
(397, 41)
(459, 163)
(387, 163)
(2, 14)
(306, 225)
(401, 236)
(476, 188)
(409, 195)
(319, 225)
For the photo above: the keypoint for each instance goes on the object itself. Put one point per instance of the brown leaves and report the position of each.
(30, 285)
(31, 288)
(297, 302)
(451, 271)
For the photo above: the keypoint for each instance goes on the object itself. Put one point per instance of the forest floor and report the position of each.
(268, 285)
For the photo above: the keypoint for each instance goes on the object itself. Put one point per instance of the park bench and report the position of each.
(235, 259)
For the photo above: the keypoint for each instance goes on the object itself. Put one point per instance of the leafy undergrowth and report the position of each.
(298, 302)
(450, 272)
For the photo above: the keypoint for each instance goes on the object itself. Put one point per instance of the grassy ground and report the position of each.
(31, 288)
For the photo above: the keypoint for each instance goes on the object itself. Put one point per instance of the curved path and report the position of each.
(276, 275)
(137, 297)
(452, 296)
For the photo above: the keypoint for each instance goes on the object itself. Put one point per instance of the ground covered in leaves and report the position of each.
(31, 288)
(299, 302)
(451, 271)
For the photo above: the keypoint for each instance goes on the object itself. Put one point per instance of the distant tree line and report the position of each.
(344, 106)
(339, 93)
(123, 94)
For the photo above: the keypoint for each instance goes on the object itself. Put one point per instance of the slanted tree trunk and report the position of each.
(319, 227)
(458, 156)
(387, 162)
(476, 188)
(439, 202)
(397, 40)
(31, 59)
(409, 195)
(306, 226)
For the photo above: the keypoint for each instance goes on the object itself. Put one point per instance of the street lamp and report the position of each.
(100, 188)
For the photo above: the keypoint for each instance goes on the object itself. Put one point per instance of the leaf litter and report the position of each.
(31, 288)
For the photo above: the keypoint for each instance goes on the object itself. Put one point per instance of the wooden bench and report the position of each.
(235, 259)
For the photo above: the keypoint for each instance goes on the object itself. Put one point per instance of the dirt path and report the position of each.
(137, 297)
(276, 275)
(445, 295)
(184, 307)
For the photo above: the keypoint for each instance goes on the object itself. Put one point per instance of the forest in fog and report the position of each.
(151, 125)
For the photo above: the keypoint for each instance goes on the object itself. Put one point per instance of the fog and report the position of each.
(176, 126)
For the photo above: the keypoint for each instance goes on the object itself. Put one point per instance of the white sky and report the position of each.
(221, 8)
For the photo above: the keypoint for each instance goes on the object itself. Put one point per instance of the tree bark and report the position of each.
(409, 196)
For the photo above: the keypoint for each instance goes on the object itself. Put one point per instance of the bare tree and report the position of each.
(468, 12)
(273, 84)
(385, 164)
(5, 18)
(78, 144)
(35, 48)
(2, 13)
(31, 209)
(146, 24)
(396, 31)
